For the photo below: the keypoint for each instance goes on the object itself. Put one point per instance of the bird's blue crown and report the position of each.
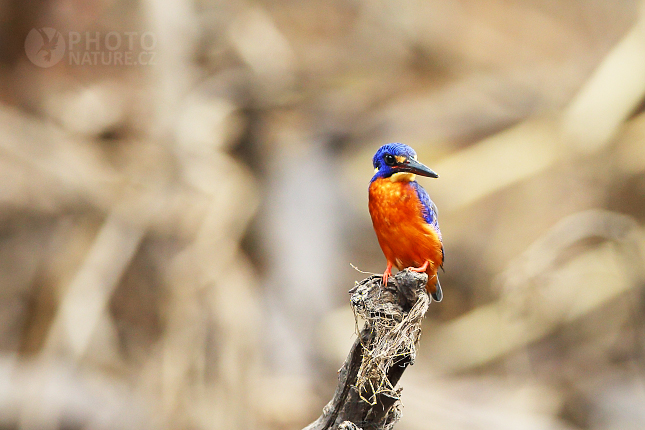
(383, 170)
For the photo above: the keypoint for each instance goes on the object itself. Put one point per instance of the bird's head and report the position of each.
(399, 163)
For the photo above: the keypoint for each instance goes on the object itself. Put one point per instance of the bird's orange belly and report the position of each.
(406, 239)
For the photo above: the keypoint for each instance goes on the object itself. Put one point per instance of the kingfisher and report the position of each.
(404, 217)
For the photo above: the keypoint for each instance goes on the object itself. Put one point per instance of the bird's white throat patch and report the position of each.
(403, 177)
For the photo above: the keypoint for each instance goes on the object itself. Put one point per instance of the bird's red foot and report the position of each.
(420, 269)
(387, 273)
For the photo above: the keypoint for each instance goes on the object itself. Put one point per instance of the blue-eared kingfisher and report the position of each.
(404, 217)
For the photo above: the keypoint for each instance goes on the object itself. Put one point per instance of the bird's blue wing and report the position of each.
(429, 212)
(428, 208)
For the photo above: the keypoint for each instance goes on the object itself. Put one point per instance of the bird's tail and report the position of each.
(438, 294)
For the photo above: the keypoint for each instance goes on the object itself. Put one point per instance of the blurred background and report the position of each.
(183, 187)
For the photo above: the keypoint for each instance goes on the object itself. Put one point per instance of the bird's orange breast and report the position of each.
(406, 239)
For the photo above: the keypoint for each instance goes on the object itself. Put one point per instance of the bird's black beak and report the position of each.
(417, 168)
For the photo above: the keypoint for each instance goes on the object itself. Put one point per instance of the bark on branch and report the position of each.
(367, 396)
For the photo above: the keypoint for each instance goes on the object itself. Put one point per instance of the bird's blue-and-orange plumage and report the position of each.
(404, 217)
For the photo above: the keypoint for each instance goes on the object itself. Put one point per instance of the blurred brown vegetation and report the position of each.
(176, 237)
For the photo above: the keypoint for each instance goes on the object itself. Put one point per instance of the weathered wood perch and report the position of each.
(367, 396)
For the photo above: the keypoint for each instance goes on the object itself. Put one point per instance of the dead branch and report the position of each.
(367, 396)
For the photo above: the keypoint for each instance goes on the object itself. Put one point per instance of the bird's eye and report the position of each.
(389, 159)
